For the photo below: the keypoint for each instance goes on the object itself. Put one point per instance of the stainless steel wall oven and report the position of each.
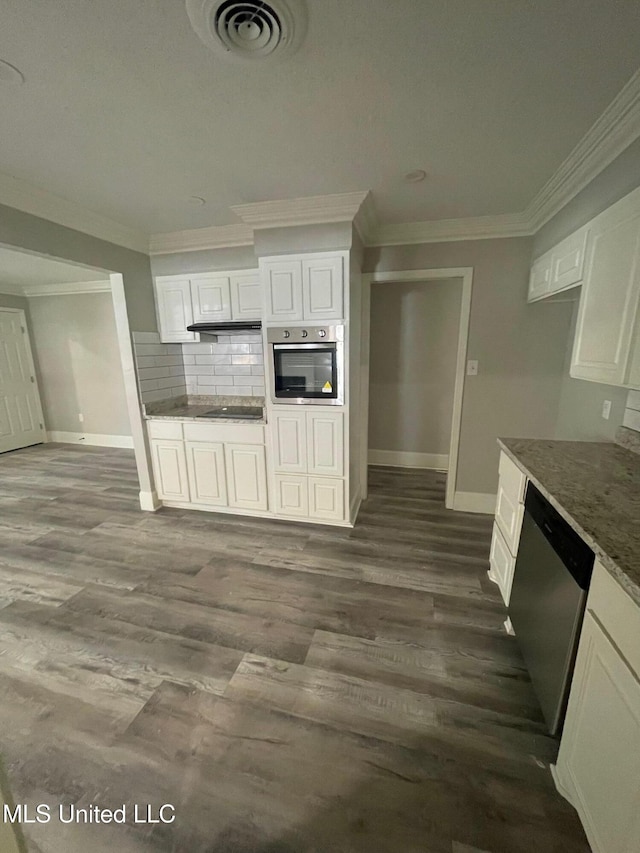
(307, 365)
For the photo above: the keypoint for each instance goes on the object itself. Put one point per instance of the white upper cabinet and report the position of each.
(567, 261)
(322, 288)
(559, 269)
(211, 298)
(540, 278)
(175, 313)
(246, 296)
(283, 282)
(305, 287)
(607, 327)
(205, 298)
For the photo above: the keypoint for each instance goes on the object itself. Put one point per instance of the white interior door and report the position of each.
(21, 422)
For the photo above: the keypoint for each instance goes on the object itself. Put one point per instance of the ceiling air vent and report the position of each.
(251, 30)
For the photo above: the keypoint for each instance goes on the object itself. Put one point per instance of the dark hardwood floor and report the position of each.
(288, 688)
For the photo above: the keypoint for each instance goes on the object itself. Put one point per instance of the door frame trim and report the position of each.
(466, 274)
(32, 366)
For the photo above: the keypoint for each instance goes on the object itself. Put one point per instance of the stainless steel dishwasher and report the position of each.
(548, 596)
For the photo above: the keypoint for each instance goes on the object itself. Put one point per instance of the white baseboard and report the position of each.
(149, 501)
(475, 502)
(94, 439)
(404, 459)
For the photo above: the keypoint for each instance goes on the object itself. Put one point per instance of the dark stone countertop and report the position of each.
(595, 486)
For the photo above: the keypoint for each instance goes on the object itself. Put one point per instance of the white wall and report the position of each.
(414, 337)
(78, 360)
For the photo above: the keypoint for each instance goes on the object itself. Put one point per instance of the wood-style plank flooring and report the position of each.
(288, 688)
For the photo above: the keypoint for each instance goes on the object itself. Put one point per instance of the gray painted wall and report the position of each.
(521, 348)
(24, 231)
(75, 344)
(235, 258)
(414, 339)
(328, 237)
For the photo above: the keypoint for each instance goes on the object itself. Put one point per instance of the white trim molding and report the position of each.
(449, 230)
(149, 501)
(466, 274)
(312, 210)
(475, 502)
(93, 439)
(72, 287)
(38, 202)
(11, 289)
(199, 239)
(405, 459)
(614, 130)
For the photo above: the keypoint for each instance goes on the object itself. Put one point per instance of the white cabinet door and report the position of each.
(599, 757)
(170, 469)
(567, 261)
(326, 498)
(283, 283)
(207, 478)
(540, 278)
(502, 564)
(211, 297)
(323, 288)
(289, 437)
(246, 476)
(292, 495)
(610, 293)
(325, 443)
(509, 502)
(173, 299)
(246, 296)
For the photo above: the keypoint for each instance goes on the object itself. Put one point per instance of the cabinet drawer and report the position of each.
(236, 433)
(165, 429)
(618, 614)
(502, 563)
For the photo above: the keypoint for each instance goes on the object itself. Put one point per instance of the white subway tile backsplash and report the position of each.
(243, 390)
(146, 361)
(257, 370)
(188, 359)
(150, 349)
(232, 370)
(197, 349)
(258, 390)
(145, 337)
(219, 380)
(246, 359)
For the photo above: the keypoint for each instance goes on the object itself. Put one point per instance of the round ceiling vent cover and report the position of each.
(254, 29)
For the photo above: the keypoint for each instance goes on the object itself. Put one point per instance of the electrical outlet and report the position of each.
(606, 409)
(81, 417)
(472, 368)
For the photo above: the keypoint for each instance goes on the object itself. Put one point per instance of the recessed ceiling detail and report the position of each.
(250, 30)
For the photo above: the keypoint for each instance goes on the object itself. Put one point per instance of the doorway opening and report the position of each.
(417, 329)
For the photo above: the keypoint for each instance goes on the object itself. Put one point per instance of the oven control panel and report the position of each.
(305, 334)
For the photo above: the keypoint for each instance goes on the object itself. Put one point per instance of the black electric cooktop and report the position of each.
(245, 412)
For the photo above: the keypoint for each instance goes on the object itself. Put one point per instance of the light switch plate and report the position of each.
(606, 409)
(472, 368)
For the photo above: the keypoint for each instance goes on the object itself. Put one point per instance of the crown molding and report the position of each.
(366, 220)
(313, 210)
(11, 289)
(614, 130)
(66, 289)
(450, 230)
(198, 239)
(46, 205)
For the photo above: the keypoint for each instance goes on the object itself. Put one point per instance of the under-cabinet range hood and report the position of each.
(226, 327)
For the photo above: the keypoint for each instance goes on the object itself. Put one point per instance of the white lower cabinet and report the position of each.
(246, 476)
(170, 468)
(502, 562)
(326, 498)
(598, 766)
(191, 467)
(308, 461)
(207, 477)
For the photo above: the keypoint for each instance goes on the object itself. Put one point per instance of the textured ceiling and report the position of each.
(126, 112)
